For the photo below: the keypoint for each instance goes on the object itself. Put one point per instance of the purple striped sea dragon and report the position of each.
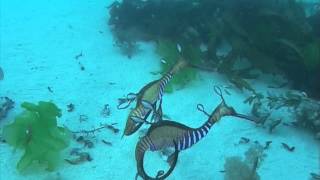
(170, 134)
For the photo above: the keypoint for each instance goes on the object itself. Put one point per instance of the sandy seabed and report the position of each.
(39, 42)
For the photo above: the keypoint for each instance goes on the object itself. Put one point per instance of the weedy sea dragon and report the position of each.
(147, 99)
(170, 134)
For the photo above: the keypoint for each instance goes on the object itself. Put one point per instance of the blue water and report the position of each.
(65, 52)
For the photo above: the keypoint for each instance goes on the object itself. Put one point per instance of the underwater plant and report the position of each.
(304, 109)
(236, 168)
(169, 54)
(275, 36)
(36, 132)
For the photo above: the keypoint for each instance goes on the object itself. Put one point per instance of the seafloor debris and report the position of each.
(86, 142)
(315, 176)
(106, 112)
(112, 128)
(50, 89)
(106, 142)
(75, 151)
(81, 158)
(244, 140)
(70, 107)
(81, 67)
(287, 147)
(102, 126)
(267, 145)
(5, 105)
(83, 117)
(78, 55)
(1, 74)
(273, 125)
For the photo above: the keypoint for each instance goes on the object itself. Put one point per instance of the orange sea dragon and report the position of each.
(147, 99)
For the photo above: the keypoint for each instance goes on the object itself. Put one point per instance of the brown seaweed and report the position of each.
(82, 157)
(106, 142)
(244, 140)
(50, 89)
(6, 104)
(266, 146)
(78, 55)
(274, 125)
(287, 147)
(70, 107)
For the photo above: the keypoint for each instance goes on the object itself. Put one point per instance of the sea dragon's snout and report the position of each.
(224, 110)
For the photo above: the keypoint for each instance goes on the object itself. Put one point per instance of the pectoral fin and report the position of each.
(126, 101)
(132, 96)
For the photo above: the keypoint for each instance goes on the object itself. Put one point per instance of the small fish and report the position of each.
(82, 157)
(179, 48)
(163, 61)
(1, 74)
(304, 94)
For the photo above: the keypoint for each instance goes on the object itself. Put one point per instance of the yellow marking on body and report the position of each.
(151, 95)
